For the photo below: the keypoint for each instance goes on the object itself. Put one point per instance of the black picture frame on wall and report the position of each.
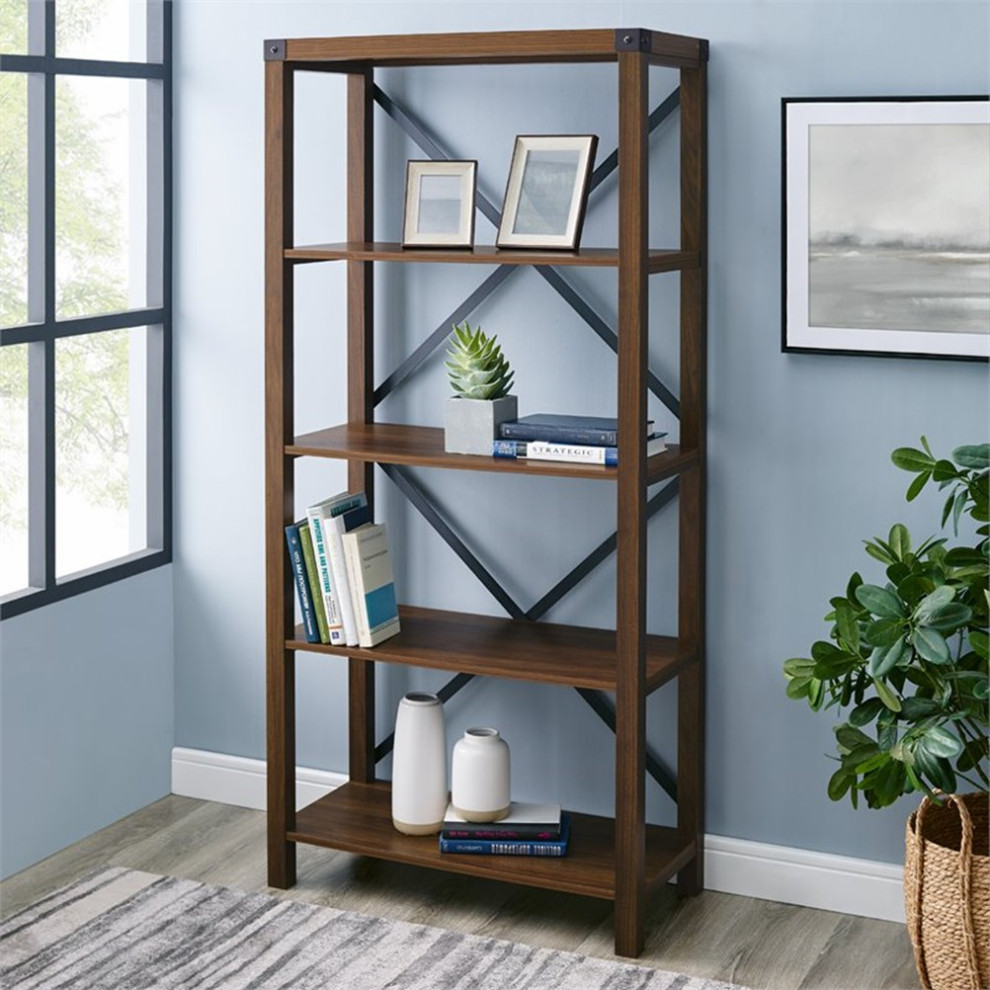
(886, 226)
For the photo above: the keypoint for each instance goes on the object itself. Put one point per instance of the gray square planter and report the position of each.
(470, 425)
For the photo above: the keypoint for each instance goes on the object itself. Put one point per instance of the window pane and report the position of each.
(13, 469)
(100, 460)
(13, 199)
(14, 26)
(101, 208)
(105, 29)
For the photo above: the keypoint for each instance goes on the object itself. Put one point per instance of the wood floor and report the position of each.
(758, 944)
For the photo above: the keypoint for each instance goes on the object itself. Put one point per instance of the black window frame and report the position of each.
(42, 66)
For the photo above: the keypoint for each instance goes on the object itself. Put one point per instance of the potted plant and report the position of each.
(480, 377)
(905, 665)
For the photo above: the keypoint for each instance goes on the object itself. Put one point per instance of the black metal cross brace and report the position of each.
(597, 700)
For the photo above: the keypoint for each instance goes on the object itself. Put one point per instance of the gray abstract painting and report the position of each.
(899, 227)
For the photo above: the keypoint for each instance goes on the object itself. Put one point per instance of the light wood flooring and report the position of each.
(758, 944)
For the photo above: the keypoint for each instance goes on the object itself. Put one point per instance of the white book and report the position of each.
(334, 528)
(315, 514)
(369, 572)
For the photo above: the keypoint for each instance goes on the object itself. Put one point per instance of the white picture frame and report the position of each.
(547, 191)
(439, 204)
(886, 226)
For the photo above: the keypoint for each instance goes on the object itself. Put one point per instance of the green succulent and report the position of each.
(477, 368)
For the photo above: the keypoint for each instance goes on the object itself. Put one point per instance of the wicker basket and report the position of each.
(947, 892)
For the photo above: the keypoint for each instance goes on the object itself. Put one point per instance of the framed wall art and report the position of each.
(886, 226)
(439, 204)
(547, 191)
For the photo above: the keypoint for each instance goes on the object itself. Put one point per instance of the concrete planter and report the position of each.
(470, 425)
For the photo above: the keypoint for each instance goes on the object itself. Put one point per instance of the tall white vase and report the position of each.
(479, 776)
(419, 765)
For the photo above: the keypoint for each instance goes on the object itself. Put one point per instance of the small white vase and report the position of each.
(419, 765)
(479, 781)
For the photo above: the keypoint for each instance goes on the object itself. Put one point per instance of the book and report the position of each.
(313, 574)
(303, 593)
(565, 429)
(541, 450)
(524, 821)
(316, 514)
(334, 527)
(512, 847)
(369, 572)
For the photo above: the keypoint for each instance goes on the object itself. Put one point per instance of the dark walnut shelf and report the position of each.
(357, 818)
(540, 652)
(486, 254)
(422, 446)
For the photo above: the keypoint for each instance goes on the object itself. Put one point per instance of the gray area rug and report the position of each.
(123, 930)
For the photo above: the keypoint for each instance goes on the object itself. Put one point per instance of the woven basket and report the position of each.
(947, 892)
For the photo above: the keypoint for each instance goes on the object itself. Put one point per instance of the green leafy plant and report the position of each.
(476, 367)
(908, 658)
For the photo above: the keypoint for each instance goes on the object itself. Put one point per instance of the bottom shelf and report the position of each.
(357, 818)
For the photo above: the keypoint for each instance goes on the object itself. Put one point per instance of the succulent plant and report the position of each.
(477, 368)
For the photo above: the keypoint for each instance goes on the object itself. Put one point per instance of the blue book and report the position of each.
(298, 562)
(513, 847)
(543, 450)
(565, 429)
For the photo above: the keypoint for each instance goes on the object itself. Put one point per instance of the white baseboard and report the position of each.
(238, 780)
(733, 866)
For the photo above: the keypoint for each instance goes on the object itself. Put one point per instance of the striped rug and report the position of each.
(124, 930)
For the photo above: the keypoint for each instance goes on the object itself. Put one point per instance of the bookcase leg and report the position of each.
(281, 768)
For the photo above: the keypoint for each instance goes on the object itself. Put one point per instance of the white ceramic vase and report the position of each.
(419, 765)
(479, 781)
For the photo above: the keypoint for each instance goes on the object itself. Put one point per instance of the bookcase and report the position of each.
(619, 858)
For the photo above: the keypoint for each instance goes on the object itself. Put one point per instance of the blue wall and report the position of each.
(86, 715)
(799, 443)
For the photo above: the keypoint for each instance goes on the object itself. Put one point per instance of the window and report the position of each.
(85, 295)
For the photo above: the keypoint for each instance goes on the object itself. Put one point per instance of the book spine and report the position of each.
(538, 450)
(335, 527)
(302, 583)
(525, 832)
(483, 847)
(313, 575)
(559, 434)
(334, 625)
(352, 564)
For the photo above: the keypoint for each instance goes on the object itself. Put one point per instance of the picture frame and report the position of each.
(886, 226)
(439, 204)
(547, 191)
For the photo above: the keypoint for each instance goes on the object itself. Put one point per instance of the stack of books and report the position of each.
(527, 830)
(343, 573)
(582, 439)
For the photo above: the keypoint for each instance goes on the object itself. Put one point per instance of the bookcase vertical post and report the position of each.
(694, 402)
(360, 380)
(630, 744)
(279, 508)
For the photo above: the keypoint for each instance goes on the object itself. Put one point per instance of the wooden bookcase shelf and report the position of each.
(486, 254)
(358, 819)
(540, 652)
(620, 858)
(422, 446)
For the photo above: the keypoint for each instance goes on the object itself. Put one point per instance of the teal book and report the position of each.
(369, 573)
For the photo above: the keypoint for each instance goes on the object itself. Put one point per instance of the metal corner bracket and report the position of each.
(633, 39)
(275, 50)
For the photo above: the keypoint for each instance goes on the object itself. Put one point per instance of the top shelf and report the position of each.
(486, 254)
(354, 54)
